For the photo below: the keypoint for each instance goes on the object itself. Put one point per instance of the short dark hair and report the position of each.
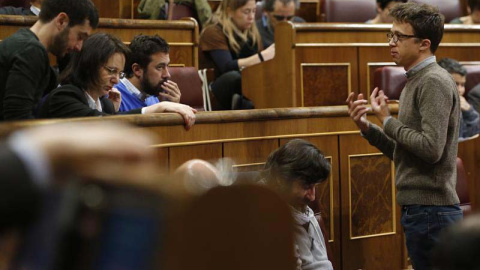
(296, 160)
(452, 66)
(384, 3)
(142, 48)
(474, 4)
(268, 5)
(426, 21)
(83, 69)
(77, 10)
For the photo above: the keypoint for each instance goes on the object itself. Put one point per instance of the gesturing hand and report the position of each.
(357, 110)
(379, 102)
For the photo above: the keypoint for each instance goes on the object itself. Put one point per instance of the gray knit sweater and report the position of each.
(423, 140)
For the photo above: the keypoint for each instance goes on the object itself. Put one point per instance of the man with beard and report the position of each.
(147, 78)
(25, 72)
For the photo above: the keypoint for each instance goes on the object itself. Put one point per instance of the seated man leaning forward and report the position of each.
(294, 170)
(87, 84)
(147, 80)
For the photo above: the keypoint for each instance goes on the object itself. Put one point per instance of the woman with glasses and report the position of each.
(230, 43)
(87, 84)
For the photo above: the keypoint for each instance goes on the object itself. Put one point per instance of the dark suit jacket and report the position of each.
(16, 11)
(19, 196)
(70, 101)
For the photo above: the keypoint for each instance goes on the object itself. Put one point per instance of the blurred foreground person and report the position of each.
(294, 170)
(459, 246)
(31, 158)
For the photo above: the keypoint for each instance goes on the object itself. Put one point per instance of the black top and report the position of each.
(70, 101)
(25, 75)
(16, 11)
(217, 52)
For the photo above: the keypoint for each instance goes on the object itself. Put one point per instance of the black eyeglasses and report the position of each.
(396, 37)
(282, 18)
(114, 72)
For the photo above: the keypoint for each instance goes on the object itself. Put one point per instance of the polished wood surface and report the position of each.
(326, 61)
(357, 202)
(371, 232)
(182, 35)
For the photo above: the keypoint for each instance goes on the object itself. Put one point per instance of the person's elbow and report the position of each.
(432, 156)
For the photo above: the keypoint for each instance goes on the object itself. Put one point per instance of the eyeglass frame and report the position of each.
(390, 37)
(114, 72)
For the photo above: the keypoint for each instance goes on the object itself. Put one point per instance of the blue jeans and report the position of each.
(422, 225)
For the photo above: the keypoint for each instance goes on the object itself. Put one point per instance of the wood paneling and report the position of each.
(359, 45)
(163, 158)
(361, 198)
(249, 153)
(181, 154)
(372, 200)
(325, 84)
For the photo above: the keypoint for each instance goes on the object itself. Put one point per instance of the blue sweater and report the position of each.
(130, 101)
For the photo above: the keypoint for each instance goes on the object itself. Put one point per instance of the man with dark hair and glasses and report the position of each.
(275, 11)
(422, 141)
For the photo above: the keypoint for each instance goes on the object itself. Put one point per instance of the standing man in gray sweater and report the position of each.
(423, 140)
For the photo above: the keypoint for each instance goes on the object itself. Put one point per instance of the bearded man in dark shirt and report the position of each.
(25, 72)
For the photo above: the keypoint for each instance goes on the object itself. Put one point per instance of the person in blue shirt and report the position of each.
(147, 80)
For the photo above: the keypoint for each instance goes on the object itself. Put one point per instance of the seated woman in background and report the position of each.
(473, 10)
(87, 84)
(230, 43)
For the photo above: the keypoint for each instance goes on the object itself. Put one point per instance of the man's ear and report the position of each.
(425, 44)
(61, 21)
(137, 70)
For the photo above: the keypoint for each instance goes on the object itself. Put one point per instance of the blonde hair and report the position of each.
(228, 26)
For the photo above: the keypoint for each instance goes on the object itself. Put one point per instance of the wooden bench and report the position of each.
(318, 64)
(354, 195)
(182, 35)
